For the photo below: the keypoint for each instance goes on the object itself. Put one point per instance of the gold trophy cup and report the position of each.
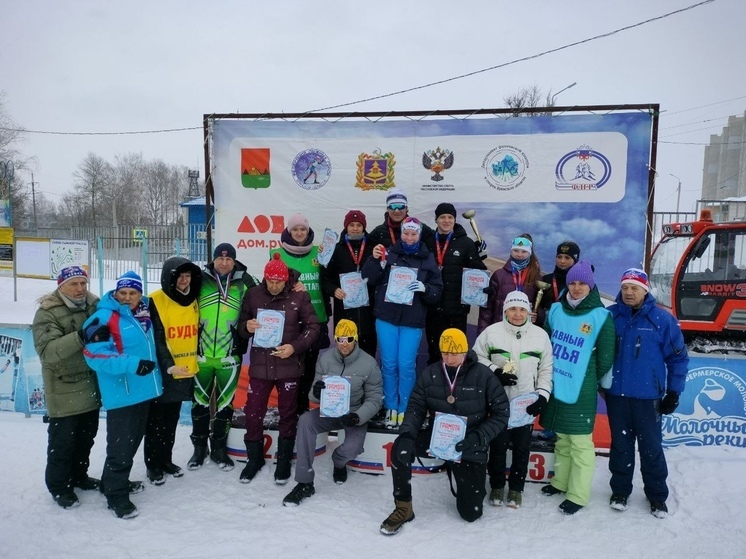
(541, 286)
(469, 214)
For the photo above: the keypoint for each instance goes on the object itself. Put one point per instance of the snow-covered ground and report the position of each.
(208, 513)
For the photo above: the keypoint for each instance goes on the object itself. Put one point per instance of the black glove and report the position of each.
(350, 419)
(481, 249)
(96, 332)
(318, 386)
(145, 367)
(403, 450)
(506, 379)
(537, 407)
(489, 290)
(470, 441)
(669, 403)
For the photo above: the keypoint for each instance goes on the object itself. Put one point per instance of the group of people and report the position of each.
(143, 357)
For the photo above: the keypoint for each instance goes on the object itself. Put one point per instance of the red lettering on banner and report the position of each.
(188, 331)
(267, 444)
(262, 224)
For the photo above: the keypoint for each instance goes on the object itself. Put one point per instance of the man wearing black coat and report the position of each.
(461, 386)
(453, 252)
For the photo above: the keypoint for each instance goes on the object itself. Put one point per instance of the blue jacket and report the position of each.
(651, 356)
(116, 361)
(428, 273)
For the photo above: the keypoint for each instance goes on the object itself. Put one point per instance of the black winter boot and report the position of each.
(219, 454)
(284, 457)
(254, 462)
(200, 452)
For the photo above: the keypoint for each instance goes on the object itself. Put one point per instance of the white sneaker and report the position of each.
(391, 420)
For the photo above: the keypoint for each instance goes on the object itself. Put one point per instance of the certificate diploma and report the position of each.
(397, 290)
(335, 397)
(326, 249)
(271, 327)
(356, 290)
(448, 430)
(518, 415)
(473, 283)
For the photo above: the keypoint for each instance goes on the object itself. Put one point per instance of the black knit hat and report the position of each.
(570, 249)
(445, 208)
(224, 249)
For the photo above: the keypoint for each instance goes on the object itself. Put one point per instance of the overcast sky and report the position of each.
(92, 66)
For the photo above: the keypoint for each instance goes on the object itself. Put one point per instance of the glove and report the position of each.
(506, 379)
(669, 403)
(350, 419)
(403, 450)
(537, 407)
(145, 367)
(471, 441)
(95, 332)
(481, 248)
(417, 285)
(489, 290)
(318, 386)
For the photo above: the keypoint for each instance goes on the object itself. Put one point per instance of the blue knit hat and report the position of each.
(582, 272)
(69, 273)
(129, 279)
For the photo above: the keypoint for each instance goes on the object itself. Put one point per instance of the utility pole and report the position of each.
(33, 203)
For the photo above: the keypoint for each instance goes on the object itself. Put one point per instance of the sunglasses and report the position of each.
(521, 242)
(397, 207)
(344, 339)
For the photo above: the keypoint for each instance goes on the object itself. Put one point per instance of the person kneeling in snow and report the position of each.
(347, 360)
(457, 385)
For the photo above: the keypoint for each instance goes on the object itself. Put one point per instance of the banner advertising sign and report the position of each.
(581, 177)
(712, 409)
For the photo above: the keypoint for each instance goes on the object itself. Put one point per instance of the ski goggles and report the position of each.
(344, 339)
(397, 207)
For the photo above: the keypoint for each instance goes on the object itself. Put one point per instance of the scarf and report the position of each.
(354, 237)
(518, 265)
(142, 315)
(290, 245)
(410, 249)
(574, 302)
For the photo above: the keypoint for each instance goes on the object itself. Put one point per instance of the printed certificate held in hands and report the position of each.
(271, 326)
(448, 430)
(326, 249)
(518, 405)
(356, 290)
(335, 398)
(397, 290)
(473, 283)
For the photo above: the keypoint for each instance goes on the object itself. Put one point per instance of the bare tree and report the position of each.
(93, 183)
(129, 171)
(529, 97)
(11, 135)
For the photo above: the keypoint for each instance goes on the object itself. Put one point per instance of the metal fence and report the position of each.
(142, 248)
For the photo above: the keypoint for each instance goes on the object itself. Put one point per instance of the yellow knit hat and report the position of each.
(453, 340)
(345, 328)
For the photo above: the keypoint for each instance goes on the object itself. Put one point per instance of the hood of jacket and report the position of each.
(172, 268)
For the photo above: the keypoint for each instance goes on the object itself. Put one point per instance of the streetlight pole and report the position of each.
(678, 192)
(573, 84)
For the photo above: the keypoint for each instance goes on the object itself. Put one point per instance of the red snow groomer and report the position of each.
(698, 273)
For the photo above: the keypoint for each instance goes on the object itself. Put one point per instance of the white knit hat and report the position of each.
(517, 299)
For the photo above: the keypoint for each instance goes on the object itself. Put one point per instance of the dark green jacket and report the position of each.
(70, 386)
(580, 417)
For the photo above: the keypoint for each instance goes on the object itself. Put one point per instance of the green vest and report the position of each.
(309, 268)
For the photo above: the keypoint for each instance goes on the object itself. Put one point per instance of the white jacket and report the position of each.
(530, 349)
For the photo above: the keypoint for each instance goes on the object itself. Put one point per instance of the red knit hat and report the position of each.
(276, 269)
(355, 215)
